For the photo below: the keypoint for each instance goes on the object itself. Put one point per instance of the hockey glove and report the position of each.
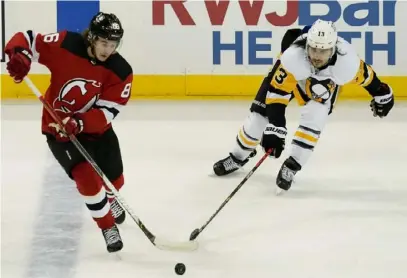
(71, 126)
(274, 138)
(19, 64)
(381, 105)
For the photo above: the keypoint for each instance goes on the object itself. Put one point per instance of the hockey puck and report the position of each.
(194, 234)
(180, 268)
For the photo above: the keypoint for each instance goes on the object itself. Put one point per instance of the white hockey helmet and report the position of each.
(322, 35)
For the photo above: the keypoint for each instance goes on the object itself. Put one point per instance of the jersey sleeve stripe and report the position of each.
(110, 108)
(31, 37)
(368, 75)
(365, 75)
(278, 96)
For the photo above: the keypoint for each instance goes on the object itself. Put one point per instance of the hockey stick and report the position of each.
(159, 243)
(195, 233)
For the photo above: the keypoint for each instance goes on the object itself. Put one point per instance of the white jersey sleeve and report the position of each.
(349, 68)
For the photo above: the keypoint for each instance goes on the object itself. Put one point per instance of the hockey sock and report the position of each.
(118, 184)
(90, 186)
(249, 135)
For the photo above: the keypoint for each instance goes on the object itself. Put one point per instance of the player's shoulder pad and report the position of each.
(69, 35)
(119, 66)
(74, 43)
(347, 63)
(294, 61)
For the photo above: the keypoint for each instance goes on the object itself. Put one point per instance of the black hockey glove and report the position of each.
(274, 138)
(381, 105)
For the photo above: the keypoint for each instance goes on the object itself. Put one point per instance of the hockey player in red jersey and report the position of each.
(90, 83)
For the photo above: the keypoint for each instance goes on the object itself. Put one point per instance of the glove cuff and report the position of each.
(79, 123)
(280, 132)
(387, 96)
(26, 52)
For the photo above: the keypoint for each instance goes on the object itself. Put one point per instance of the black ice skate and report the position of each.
(118, 212)
(230, 164)
(286, 174)
(113, 240)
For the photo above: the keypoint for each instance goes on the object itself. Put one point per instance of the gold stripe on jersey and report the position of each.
(364, 76)
(306, 137)
(281, 85)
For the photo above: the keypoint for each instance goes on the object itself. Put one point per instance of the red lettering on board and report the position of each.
(251, 12)
(286, 20)
(217, 11)
(177, 5)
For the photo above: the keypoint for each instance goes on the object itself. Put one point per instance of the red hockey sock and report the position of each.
(90, 186)
(118, 184)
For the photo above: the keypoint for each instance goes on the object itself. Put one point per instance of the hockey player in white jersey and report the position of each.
(312, 70)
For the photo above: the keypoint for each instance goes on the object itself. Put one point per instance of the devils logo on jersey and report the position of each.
(77, 95)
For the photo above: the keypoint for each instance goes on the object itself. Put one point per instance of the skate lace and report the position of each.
(116, 209)
(287, 174)
(229, 164)
(111, 235)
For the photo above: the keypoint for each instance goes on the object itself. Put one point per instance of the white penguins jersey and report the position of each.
(294, 74)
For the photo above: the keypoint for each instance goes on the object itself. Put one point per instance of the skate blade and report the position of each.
(279, 191)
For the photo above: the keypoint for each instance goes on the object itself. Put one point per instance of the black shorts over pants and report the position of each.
(104, 149)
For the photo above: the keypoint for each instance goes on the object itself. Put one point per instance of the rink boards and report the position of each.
(212, 49)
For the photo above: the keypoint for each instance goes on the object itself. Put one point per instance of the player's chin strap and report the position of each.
(159, 243)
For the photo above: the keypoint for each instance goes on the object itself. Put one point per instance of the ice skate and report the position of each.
(286, 175)
(118, 212)
(230, 164)
(112, 238)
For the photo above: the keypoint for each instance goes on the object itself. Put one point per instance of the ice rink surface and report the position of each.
(346, 215)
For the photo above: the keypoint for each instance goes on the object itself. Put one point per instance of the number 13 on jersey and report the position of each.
(282, 79)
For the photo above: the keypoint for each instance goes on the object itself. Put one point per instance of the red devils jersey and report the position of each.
(93, 91)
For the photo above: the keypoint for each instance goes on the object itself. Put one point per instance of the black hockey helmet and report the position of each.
(106, 26)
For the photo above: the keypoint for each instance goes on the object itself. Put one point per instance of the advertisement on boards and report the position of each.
(218, 48)
(250, 31)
